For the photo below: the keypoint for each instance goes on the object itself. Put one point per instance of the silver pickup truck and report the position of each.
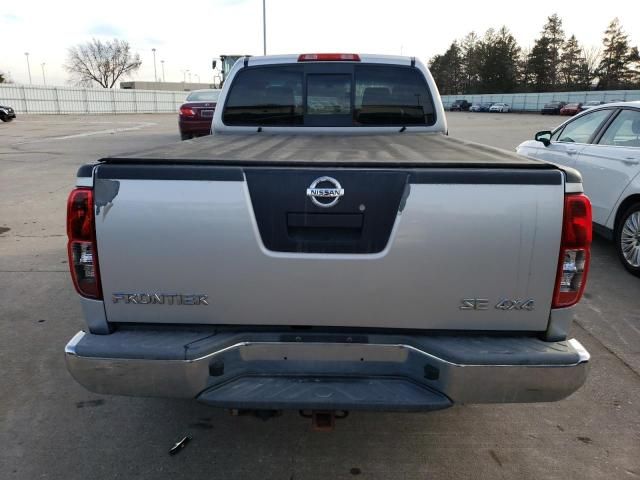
(329, 248)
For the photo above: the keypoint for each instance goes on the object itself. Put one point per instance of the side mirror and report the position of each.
(543, 137)
(213, 65)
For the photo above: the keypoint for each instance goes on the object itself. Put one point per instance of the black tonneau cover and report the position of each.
(395, 150)
(382, 150)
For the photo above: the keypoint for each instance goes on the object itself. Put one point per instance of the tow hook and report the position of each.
(324, 420)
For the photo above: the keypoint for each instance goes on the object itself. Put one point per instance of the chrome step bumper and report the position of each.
(426, 372)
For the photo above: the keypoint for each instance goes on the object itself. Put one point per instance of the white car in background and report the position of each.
(603, 143)
(500, 107)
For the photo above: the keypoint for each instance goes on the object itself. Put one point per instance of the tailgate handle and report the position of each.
(325, 228)
(325, 220)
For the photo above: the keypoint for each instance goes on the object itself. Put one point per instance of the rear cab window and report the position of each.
(203, 96)
(329, 94)
(266, 96)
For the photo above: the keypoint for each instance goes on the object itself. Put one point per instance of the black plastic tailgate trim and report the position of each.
(170, 172)
(486, 177)
(425, 175)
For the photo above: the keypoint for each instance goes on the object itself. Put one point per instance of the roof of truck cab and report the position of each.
(392, 150)
(364, 58)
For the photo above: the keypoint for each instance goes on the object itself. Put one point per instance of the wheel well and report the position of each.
(630, 200)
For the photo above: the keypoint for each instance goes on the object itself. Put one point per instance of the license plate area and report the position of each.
(206, 113)
(323, 352)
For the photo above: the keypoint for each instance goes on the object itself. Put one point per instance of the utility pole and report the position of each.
(26, 54)
(162, 63)
(189, 72)
(197, 76)
(44, 79)
(155, 73)
(264, 27)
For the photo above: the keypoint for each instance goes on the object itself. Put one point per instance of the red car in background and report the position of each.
(194, 119)
(571, 109)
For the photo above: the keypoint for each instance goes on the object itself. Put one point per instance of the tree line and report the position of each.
(495, 63)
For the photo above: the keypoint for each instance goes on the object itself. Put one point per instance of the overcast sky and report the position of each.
(187, 35)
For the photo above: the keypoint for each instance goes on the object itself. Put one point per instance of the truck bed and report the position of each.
(227, 218)
(408, 150)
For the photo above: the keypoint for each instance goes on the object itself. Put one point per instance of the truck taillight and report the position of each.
(329, 57)
(573, 264)
(83, 255)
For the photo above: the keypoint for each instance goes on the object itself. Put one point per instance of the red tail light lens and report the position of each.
(187, 112)
(83, 255)
(329, 57)
(575, 251)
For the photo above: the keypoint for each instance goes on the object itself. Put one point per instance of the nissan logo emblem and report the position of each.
(325, 192)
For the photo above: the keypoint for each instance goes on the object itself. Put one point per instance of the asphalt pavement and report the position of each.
(50, 427)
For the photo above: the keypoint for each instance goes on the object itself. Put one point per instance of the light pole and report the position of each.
(44, 79)
(155, 73)
(184, 76)
(264, 27)
(189, 72)
(26, 54)
(162, 63)
(197, 76)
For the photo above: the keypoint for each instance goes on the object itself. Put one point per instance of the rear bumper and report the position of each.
(196, 127)
(271, 370)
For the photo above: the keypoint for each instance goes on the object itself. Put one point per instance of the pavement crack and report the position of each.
(495, 458)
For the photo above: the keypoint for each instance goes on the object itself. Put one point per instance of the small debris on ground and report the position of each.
(180, 445)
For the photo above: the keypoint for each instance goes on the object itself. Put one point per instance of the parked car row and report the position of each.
(480, 107)
(603, 143)
(551, 108)
(461, 105)
(564, 108)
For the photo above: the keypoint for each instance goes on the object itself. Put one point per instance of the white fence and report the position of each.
(45, 99)
(55, 100)
(532, 102)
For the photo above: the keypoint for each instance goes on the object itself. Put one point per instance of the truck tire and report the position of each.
(627, 238)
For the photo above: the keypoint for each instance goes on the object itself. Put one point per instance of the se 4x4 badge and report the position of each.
(504, 304)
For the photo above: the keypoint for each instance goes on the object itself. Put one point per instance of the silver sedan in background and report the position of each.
(603, 143)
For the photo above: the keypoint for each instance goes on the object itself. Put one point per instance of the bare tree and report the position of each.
(101, 62)
(590, 59)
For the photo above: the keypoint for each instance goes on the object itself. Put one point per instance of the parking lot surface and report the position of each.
(50, 427)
